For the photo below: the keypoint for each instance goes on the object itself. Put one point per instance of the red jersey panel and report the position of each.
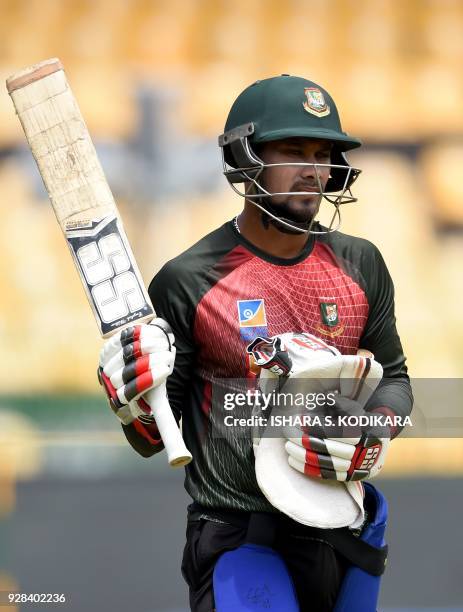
(290, 298)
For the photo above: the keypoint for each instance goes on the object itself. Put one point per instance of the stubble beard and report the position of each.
(299, 216)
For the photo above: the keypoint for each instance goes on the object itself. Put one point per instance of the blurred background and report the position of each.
(80, 513)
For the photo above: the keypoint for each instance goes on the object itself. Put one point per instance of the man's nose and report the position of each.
(310, 170)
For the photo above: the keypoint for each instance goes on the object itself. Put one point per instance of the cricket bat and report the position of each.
(86, 211)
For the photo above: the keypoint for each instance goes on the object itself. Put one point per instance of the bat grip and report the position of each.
(177, 453)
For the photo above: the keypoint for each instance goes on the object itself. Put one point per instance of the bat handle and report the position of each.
(177, 453)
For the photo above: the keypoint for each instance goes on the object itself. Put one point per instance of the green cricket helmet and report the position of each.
(283, 107)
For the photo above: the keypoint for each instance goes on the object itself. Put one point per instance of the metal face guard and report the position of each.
(242, 165)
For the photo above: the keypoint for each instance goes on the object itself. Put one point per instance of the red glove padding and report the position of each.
(134, 361)
(339, 453)
(337, 459)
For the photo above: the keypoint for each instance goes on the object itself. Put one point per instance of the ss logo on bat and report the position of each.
(108, 271)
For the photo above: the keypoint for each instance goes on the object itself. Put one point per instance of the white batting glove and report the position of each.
(132, 362)
(357, 455)
(314, 452)
(337, 458)
(295, 355)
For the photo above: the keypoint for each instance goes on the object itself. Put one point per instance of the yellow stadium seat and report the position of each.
(392, 212)
(441, 165)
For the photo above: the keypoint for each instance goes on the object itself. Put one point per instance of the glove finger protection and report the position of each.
(362, 445)
(132, 362)
(337, 459)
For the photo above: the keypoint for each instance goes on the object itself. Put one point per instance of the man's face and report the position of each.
(299, 208)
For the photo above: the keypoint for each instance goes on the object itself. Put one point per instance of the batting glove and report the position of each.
(352, 454)
(339, 458)
(132, 362)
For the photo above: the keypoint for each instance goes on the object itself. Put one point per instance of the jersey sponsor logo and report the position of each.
(251, 313)
(315, 102)
(252, 319)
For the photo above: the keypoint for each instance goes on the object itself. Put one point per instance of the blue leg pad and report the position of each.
(253, 578)
(360, 590)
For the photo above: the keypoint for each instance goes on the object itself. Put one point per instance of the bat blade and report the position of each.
(80, 195)
(86, 211)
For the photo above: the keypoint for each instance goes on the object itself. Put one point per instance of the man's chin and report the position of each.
(301, 214)
(285, 229)
(299, 222)
(303, 207)
(298, 213)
